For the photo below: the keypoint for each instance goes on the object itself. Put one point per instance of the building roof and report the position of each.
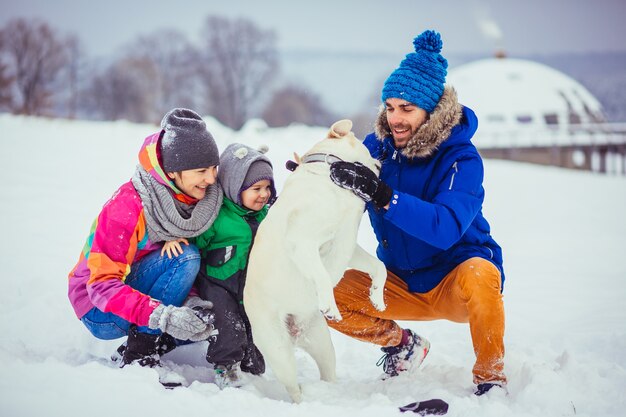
(516, 95)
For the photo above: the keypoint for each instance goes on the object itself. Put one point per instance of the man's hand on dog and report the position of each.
(362, 181)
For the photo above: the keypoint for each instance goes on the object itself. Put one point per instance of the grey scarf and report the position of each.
(169, 219)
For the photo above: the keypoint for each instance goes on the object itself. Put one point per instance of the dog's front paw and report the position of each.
(377, 298)
(332, 314)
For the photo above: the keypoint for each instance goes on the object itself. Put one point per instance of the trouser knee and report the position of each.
(167, 280)
(478, 277)
(187, 264)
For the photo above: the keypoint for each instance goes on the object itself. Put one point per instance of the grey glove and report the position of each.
(195, 301)
(181, 322)
(201, 307)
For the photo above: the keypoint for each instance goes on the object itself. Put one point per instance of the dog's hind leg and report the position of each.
(365, 262)
(317, 342)
(272, 337)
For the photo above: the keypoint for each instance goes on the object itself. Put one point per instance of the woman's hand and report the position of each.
(172, 247)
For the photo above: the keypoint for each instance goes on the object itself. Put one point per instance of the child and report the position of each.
(246, 177)
(121, 286)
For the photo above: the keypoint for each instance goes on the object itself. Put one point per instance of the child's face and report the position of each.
(257, 195)
(194, 182)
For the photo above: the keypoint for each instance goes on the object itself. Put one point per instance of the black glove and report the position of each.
(437, 407)
(362, 181)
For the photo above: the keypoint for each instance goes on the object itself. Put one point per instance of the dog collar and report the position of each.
(314, 157)
(321, 157)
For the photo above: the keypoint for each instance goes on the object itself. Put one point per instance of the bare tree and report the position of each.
(240, 60)
(175, 60)
(34, 56)
(292, 104)
(6, 85)
(73, 74)
(125, 91)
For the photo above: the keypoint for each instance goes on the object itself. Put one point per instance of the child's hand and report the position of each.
(172, 247)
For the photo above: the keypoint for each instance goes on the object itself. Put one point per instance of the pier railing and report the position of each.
(595, 147)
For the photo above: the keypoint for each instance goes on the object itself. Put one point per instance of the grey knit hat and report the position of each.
(186, 142)
(240, 167)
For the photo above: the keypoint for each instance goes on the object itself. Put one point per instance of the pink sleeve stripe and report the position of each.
(132, 305)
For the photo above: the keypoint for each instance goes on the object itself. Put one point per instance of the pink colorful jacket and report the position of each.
(117, 240)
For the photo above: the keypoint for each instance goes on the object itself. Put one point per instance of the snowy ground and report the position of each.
(562, 232)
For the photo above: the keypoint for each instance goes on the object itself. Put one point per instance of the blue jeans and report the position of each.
(164, 279)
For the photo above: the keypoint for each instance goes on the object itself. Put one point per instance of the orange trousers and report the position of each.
(469, 293)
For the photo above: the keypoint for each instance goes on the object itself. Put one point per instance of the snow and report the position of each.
(562, 233)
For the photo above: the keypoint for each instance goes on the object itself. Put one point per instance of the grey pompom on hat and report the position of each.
(186, 142)
(242, 166)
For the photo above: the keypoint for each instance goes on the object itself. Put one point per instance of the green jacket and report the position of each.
(225, 248)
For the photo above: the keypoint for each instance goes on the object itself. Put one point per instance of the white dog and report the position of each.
(301, 250)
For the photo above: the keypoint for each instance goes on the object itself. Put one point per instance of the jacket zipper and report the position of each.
(456, 170)
(385, 242)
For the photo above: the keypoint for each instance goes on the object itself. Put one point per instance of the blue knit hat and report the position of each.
(421, 76)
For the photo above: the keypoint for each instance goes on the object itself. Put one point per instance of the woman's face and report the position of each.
(194, 182)
(257, 195)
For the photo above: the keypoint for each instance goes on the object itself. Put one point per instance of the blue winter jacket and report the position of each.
(434, 221)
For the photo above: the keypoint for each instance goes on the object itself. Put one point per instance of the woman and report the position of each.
(121, 285)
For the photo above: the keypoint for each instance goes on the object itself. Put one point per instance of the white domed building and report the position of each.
(524, 99)
(534, 113)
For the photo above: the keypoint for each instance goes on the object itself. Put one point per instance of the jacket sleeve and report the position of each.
(204, 240)
(443, 221)
(118, 230)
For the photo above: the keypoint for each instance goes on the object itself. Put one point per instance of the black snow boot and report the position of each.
(253, 361)
(145, 349)
(485, 387)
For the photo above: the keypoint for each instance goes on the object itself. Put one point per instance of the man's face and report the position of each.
(404, 118)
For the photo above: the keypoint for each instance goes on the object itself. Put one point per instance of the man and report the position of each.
(425, 210)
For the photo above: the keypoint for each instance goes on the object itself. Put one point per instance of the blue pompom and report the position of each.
(428, 40)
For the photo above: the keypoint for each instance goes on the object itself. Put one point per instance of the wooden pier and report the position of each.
(598, 148)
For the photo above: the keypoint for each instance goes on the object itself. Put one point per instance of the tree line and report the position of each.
(228, 74)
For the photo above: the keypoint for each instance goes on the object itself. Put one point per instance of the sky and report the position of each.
(562, 234)
(467, 26)
(343, 50)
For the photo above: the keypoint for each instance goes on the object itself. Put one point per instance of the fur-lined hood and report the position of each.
(433, 132)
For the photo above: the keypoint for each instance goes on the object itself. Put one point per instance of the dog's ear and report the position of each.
(340, 129)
